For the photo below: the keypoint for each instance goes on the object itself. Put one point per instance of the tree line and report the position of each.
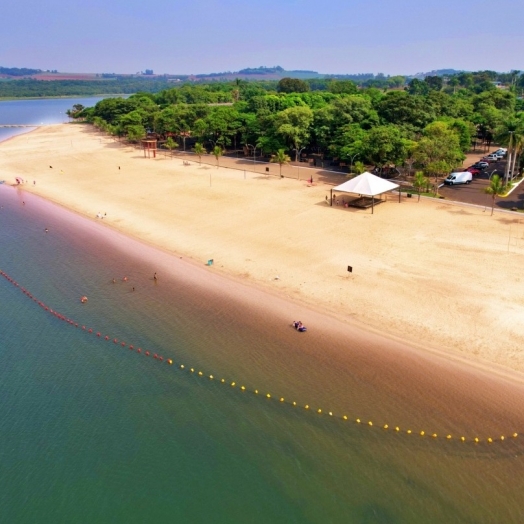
(430, 124)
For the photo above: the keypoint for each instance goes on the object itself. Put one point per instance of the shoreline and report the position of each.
(264, 278)
(451, 393)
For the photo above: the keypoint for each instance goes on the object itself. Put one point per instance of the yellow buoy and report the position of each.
(281, 399)
(476, 439)
(408, 432)
(386, 426)
(294, 403)
(222, 380)
(434, 435)
(370, 423)
(397, 428)
(210, 377)
(306, 406)
(192, 370)
(502, 437)
(330, 413)
(319, 410)
(463, 439)
(422, 433)
(358, 421)
(181, 366)
(170, 362)
(345, 417)
(243, 388)
(268, 395)
(256, 391)
(200, 373)
(515, 435)
(490, 439)
(448, 436)
(232, 384)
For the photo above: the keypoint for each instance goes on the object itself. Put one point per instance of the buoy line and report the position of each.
(244, 389)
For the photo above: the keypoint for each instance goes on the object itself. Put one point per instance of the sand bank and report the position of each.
(440, 276)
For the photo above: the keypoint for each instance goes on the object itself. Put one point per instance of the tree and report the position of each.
(439, 149)
(135, 132)
(292, 85)
(418, 87)
(200, 150)
(359, 167)
(280, 158)
(496, 188)
(293, 124)
(434, 82)
(510, 134)
(342, 87)
(420, 182)
(170, 144)
(384, 145)
(217, 153)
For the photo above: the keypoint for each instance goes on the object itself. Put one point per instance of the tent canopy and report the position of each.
(366, 184)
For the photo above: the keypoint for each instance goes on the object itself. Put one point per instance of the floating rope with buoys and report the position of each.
(244, 389)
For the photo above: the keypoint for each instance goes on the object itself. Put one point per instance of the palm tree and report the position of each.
(280, 158)
(419, 182)
(199, 150)
(217, 153)
(496, 188)
(510, 134)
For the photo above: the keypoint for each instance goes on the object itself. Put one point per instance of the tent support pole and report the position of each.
(372, 204)
(399, 194)
(331, 199)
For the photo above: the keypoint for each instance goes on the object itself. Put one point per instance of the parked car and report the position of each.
(480, 165)
(490, 158)
(474, 171)
(464, 177)
(502, 150)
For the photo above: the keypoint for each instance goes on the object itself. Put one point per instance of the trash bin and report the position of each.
(409, 195)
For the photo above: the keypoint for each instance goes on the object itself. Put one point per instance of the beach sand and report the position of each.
(443, 277)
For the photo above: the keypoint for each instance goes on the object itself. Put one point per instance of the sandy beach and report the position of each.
(442, 277)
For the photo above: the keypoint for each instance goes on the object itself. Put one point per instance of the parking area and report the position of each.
(473, 193)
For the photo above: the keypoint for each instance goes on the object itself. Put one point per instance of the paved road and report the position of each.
(474, 193)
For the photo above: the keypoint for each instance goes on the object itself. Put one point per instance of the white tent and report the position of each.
(366, 184)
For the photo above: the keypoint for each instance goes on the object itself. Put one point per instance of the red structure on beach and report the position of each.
(149, 145)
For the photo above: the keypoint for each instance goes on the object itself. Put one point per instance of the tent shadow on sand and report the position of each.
(367, 186)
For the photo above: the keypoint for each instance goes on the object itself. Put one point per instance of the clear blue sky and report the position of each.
(204, 36)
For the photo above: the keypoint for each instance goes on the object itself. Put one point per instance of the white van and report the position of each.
(464, 177)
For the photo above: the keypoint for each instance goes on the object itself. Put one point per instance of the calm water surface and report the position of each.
(37, 112)
(93, 432)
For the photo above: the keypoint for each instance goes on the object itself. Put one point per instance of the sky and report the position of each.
(206, 36)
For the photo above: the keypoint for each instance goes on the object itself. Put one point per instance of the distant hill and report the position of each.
(437, 72)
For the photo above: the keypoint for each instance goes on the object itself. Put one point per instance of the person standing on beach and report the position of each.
(155, 277)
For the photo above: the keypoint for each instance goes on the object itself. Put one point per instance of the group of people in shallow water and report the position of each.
(299, 326)
(124, 279)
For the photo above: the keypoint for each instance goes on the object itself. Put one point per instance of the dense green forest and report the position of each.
(429, 124)
(32, 88)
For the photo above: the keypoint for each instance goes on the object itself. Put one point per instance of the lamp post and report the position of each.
(254, 154)
(351, 163)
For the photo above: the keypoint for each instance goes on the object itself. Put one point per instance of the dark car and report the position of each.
(480, 165)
